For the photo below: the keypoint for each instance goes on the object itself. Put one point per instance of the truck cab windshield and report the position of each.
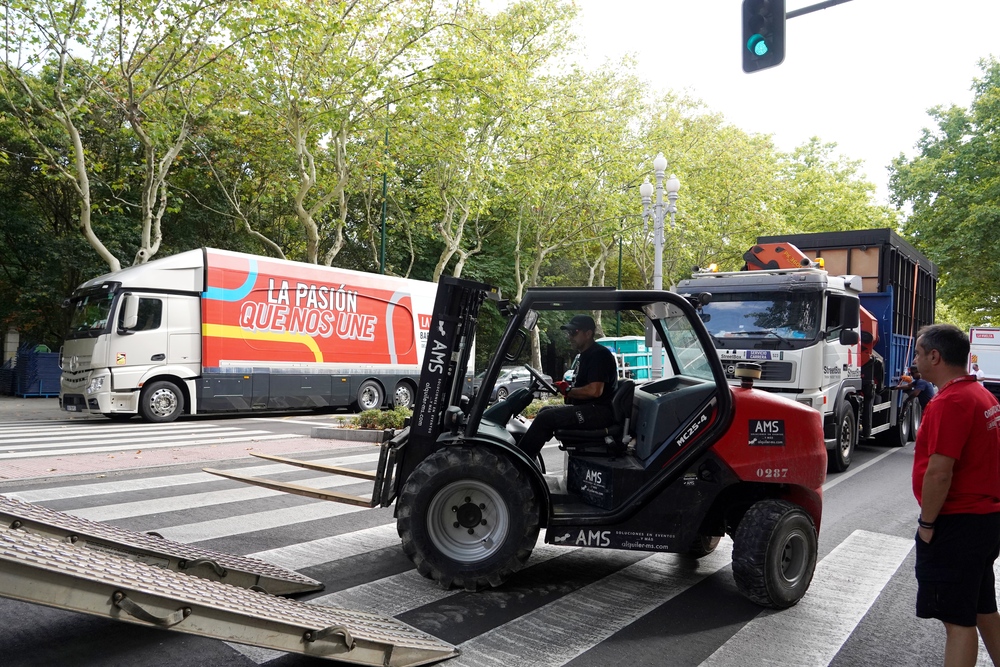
(785, 317)
(90, 314)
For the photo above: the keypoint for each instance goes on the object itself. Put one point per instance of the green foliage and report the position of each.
(953, 189)
(382, 419)
(262, 127)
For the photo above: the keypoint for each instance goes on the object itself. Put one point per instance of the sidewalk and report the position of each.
(130, 458)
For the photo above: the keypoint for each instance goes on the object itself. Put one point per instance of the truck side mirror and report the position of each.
(130, 311)
(849, 337)
(850, 313)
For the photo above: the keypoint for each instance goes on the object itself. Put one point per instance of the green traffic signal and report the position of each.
(763, 34)
(757, 44)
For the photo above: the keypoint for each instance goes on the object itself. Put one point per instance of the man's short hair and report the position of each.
(951, 343)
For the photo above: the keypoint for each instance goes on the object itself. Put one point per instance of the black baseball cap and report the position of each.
(580, 323)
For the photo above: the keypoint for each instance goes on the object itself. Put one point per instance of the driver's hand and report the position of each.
(562, 386)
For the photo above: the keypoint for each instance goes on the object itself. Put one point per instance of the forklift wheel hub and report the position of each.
(468, 521)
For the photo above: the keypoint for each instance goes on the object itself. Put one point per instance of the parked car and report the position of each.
(510, 378)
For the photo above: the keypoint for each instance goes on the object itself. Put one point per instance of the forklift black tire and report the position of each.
(161, 401)
(468, 518)
(840, 456)
(702, 545)
(774, 553)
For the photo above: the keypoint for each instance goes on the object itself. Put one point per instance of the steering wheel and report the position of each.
(537, 376)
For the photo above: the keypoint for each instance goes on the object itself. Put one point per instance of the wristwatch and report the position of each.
(925, 524)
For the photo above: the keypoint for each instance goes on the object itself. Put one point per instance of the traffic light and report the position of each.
(763, 34)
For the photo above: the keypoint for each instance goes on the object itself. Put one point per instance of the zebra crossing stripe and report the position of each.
(78, 430)
(846, 584)
(168, 481)
(393, 595)
(409, 590)
(143, 442)
(328, 549)
(181, 503)
(250, 523)
(244, 436)
(560, 631)
(40, 442)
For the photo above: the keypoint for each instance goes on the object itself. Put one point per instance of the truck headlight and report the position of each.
(805, 401)
(95, 385)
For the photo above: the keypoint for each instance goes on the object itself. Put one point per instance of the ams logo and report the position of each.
(593, 538)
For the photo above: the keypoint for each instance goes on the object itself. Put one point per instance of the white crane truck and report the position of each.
(832, 318)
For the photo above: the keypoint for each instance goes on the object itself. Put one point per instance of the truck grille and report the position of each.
(771, 371)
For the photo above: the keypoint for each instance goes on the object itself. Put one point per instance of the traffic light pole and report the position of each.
(813, 8)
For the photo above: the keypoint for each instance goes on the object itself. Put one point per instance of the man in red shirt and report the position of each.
(956, 480)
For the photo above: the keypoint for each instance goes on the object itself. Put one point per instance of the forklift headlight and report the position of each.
(95, 385)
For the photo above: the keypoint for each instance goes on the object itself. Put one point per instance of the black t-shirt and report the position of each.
(597, 364)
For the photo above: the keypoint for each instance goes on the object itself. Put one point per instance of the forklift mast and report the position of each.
(438, 402)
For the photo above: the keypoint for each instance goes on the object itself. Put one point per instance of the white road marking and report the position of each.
(560, 631)
(328, 549)
(169, 481)
(244, 493)
(106, 427)
(854, 471)
(125, 438)
(846, 584)
(409, 590)
(148, 445)
(250, 523)
(394, 595)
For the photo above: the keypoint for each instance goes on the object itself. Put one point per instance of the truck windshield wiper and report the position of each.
(766, 332)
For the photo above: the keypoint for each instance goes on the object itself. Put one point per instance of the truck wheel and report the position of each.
(904, 429)
(370, 396)
(161, 401)
(916, 416)
(468, 518)
(403, 396)
(702, 545)
(774, 553)
(847, 436)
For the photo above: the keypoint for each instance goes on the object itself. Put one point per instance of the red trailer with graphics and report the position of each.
(215, 331)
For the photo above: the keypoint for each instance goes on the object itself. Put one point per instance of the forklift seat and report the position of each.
(610, 441)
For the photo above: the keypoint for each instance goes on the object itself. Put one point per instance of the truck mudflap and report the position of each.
(383, 491)
(60, 574)
(242, 571)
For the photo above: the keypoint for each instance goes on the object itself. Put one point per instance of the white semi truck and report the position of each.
(215, 331)
(832, 318)
(984, 351)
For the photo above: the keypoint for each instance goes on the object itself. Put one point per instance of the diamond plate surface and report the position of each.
(152, 547)
(44, 554)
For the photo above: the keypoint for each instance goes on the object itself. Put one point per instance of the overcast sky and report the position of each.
(862, 74)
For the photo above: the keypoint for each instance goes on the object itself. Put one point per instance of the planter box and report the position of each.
(352, 434)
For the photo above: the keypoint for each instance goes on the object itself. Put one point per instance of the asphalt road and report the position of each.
(570, 606)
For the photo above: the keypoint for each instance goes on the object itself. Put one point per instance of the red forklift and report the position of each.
(689, 460)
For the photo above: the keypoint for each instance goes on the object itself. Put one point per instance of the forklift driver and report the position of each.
(588, 400)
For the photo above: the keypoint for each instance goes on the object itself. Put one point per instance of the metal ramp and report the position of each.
(382, 492)
(57, 573)
(152, 549)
